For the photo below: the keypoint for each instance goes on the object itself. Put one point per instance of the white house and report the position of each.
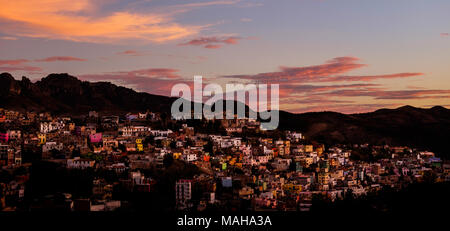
(80, 163)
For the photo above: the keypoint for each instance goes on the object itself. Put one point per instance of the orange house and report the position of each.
(206, 158)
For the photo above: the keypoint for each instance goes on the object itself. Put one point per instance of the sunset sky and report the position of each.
(339, 55)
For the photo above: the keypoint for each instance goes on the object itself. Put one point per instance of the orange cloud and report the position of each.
(8, 38)
(79, 21)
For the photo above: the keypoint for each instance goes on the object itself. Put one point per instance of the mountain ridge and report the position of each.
(63, 93)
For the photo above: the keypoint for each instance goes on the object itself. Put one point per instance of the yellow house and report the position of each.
(267, 140)
(71, 126)
(224, 166)
(139, 145)
(309, 161)
(177, 155)
(308, 148)
(292, 188)
(323, 178)
(287, 147)
(334, 162)
(319, 150)
(42, 138)
(165, 143)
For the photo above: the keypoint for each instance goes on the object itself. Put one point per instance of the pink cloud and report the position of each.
(331, 71)
(369, 77)
(12, 65)
(296, 95)
(246, 19)
(308, 100)
(445, 34)
(347, 108)
(212, 42)
(335, 66)
(299, 89)
(152, 80)
(19, 68)
(60, 59)
(13, 62)
(153, 73)
(391, 94)
(212, 46)
(8, 38)
(130, 53)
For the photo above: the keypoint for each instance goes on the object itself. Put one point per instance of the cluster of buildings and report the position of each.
(288, 174)
(238, 166)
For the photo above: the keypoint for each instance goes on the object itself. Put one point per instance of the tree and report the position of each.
(5, 177)
(76, 153)
(168, 160)
(20, 171)
(429, 177)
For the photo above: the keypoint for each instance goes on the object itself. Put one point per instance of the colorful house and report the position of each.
(139, 145)
(42, 138)
(95, 138)
(4, 137)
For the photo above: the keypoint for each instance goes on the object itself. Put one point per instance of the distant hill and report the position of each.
(62, 93)
(65, 94)
(415, 127)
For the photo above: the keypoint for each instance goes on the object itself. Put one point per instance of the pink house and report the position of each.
(4, 137)
(95, 138)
